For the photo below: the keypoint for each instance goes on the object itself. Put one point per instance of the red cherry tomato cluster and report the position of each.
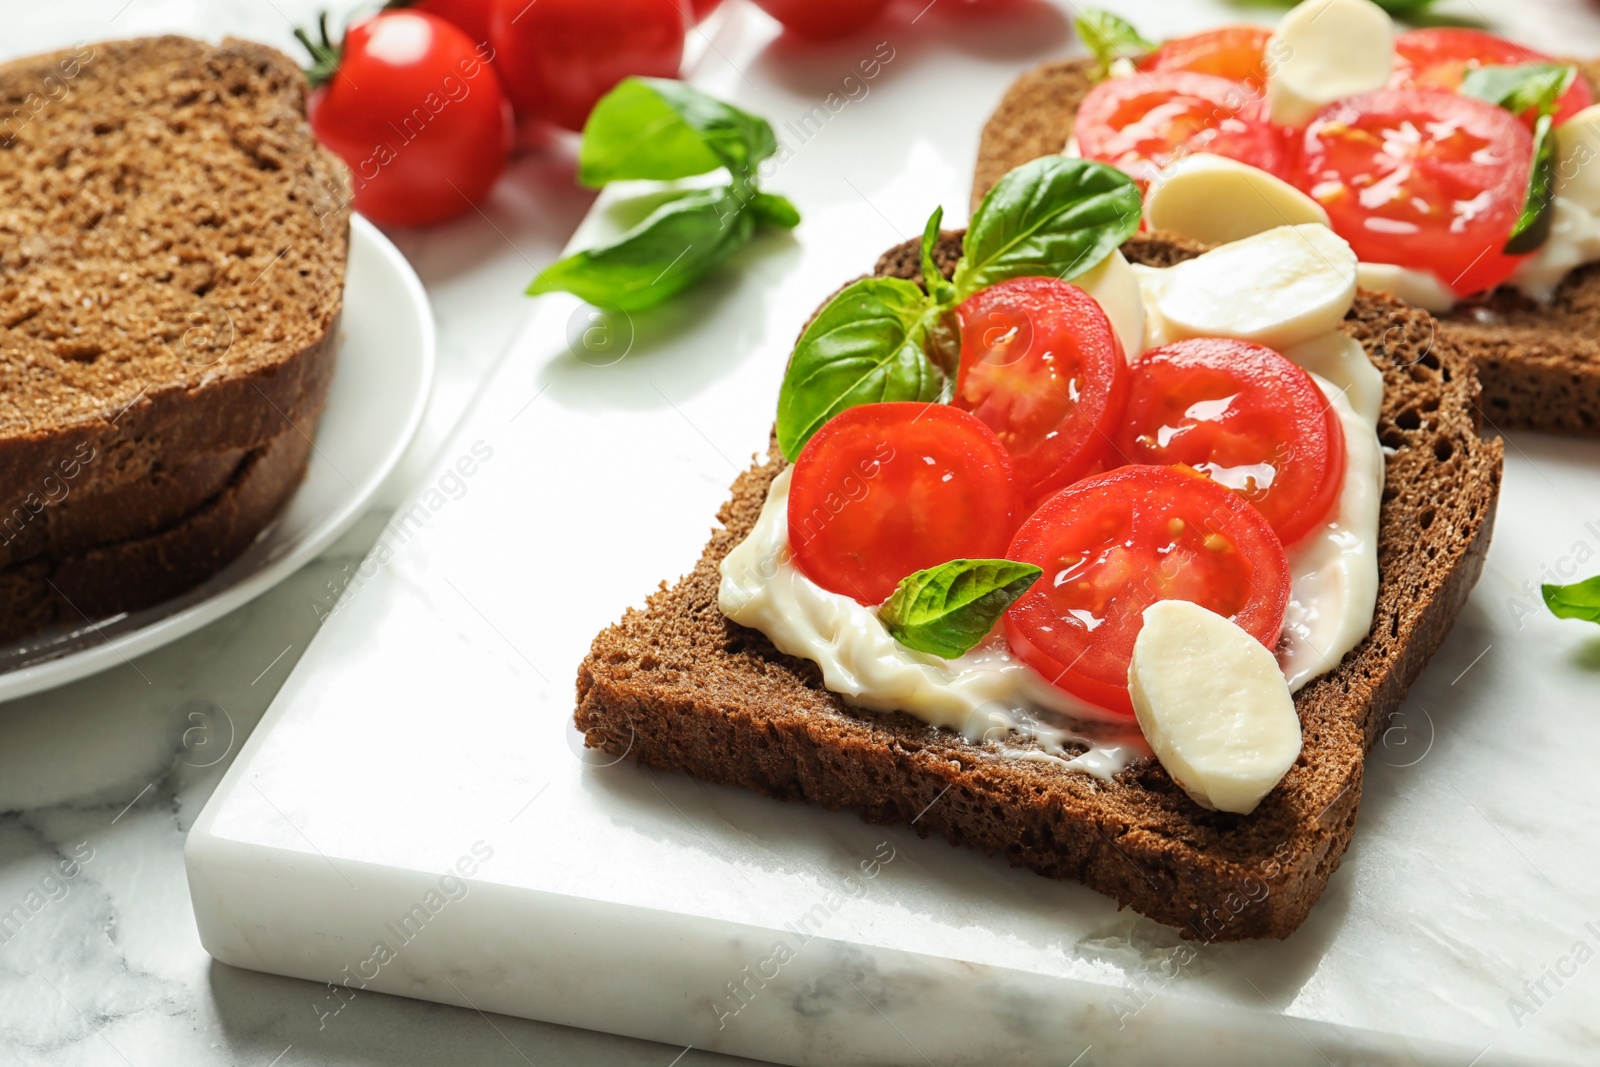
(1416, 175)
(1179, 476)
(425, 140)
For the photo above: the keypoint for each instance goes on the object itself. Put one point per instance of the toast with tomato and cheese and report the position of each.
(1464, 169)
(1118, 577)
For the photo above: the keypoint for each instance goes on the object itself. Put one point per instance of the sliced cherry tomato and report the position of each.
(1041, 365)
(1428, 180)
(885, 490)
(822, 19)
(417, 114)
(558, 57)
(1439, 58)
(1237, 53)
(1140, 124)
(1112, 545)
(1244, 416)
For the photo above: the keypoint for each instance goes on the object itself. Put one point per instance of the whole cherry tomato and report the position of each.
(823, 18)
(471, 17)
(416, 113)
(558, 57)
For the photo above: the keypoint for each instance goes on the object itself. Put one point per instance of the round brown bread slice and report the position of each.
(173, 244)
(61, 520)
(678, 686)
(1539, 363)
(79, 589)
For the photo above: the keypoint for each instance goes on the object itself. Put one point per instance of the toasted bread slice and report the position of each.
(679, 686)
(173, 244)
(82, 588)
(1539, 363)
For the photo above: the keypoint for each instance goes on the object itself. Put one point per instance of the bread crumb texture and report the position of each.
(172, 255)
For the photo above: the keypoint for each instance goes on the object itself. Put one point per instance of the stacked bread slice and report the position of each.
(173, 245)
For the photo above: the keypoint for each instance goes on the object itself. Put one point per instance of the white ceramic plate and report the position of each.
(385, 369)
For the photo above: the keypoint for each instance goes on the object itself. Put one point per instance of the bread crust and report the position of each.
(209, 286)
(84, 588)
(677, 685)
(1539, 363)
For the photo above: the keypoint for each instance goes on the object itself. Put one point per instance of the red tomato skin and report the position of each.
(822, 19)
(703, 8)
(1054, 341)
(1233, 52)
(559, 57)
(1386, 223)
(419, 117)
(884, 490)
(1224, 406)
(1142, 123)
(1109, 547)
(471, 17)
(1438, 57)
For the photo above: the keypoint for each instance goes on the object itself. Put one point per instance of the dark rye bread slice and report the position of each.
(678, 686)
(81, 588)
(60, 520)
(1539, 363)
(173, 245)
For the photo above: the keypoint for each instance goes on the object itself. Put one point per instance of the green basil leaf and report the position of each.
(1581, 600)
(936, 283)
(1532, 228)
(1110, 38)
(1054, 217)
(946, 610)
(661, 129)
(864, 346)
(774, 210)
(670, 250)
(1520, 87)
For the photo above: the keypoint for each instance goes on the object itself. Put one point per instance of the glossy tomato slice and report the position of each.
(1143, 122)
(1438, 58)
(1233, 52)
(1042, 367)
(883, 490)
(1428, 180)
(1244, 416)
(1112, 545)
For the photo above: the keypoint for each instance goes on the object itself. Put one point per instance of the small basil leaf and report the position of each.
(670, 250)
(1110, 38)
(864, 346)
(936, 283)
(1520, 87)
(661, 129)
(946, 610)
(774, 210)
(1532, 228)
(1581, 600)
(1054, 217)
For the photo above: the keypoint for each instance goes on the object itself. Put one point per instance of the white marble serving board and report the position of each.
(428, 730)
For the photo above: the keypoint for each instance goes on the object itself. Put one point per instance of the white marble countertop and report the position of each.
(113, 770)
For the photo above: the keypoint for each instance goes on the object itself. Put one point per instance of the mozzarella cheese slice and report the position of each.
(1213, 705)
(1419, 288)
(1115, 288)
(1214, 200)
(1278, 288)
(1325, 50)
(1577, 149)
